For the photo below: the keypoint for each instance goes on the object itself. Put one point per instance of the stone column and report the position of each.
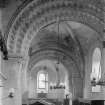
(13, 71)
(0, 61)
(103, 54)
(21, 80)
(18, 90)
(24, 83)
(103, 67)
(0, 81)
(87, 82)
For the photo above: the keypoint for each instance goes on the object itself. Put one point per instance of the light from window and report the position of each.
(42, 81)
(96, 68)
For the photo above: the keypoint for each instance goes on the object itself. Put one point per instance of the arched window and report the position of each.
(42, 82)
(96, 68)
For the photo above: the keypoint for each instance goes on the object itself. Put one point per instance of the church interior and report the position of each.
(52, 52)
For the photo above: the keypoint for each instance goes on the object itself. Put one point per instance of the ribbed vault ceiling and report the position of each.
(39, 13)
(32, 31)
(73, 39)
(69, 34)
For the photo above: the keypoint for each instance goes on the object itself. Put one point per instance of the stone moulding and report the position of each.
(37, 14)
(52, 53)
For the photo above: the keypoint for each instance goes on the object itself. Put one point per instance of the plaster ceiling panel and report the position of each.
(82, 30)
(67, 27)
(85, 35)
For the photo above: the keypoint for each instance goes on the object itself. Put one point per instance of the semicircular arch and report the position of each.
(32, 18)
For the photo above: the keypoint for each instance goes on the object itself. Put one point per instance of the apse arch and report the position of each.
(50, 54)
(68, 63)
(32, 18)
(49, 66)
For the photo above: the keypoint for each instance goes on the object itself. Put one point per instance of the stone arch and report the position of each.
(48, 65)
(50, 54)
(36, 15)
(68, 62)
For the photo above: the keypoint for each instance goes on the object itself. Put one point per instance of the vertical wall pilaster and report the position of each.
(1, 81)
(18, 90)
(87, 77)
(0, 62)
(13, 70)
(103, 68)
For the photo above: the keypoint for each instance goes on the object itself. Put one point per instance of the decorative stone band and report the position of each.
(50, 54)
(37, 15)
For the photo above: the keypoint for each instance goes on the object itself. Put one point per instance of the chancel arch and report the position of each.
(72, 70)
(48, 67)
(31, 19)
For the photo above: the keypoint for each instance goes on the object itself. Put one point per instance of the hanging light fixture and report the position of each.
(58, 85)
